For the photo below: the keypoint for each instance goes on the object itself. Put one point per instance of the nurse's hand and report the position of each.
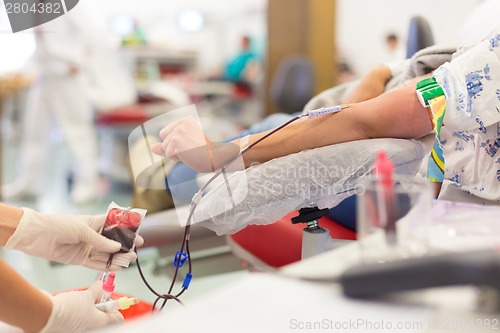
(68, 239)
(184, 141)
(75, 312)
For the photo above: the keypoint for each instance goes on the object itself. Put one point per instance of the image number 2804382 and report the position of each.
(27, 14)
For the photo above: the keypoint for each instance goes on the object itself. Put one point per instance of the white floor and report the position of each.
(52, 277)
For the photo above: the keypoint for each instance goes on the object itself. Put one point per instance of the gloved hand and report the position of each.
(75, 312)
(66, 239)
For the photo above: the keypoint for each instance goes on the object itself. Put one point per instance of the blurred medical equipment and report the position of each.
(315, 238)
(108, 287)
(209, 252)
(419, 36)
(269, 247)
(292, 84)
(123, 303)
(480, 268)
(114, 124)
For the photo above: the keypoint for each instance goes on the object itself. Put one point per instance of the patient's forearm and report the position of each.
(396, 114)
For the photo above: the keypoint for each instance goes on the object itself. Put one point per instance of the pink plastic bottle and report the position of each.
(384, 169)
(108, 287)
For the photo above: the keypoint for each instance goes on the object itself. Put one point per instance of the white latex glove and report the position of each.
(75, 312)
(68, 239)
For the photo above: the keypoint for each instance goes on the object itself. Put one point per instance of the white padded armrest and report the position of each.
(321, 177)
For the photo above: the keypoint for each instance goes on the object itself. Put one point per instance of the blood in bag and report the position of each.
(121, 225)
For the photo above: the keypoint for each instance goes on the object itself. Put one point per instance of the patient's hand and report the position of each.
(370, 86)
(185, 141)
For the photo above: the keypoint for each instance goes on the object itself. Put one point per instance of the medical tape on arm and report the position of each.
(243, 143)
(210, 155)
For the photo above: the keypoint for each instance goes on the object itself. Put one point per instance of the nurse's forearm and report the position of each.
(9, 219)
(21, 304)
(395, 114)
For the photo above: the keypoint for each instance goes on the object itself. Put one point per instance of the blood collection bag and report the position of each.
(121, 225)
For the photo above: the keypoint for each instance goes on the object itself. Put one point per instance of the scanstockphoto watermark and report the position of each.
(312, 169)
(355, 325)
(27, 14)
(452, 324)
(305, 180)
(302, 188)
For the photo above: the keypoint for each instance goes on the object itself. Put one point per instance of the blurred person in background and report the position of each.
(240, 68)
(60, 95)
(243, 68)
(395, 50)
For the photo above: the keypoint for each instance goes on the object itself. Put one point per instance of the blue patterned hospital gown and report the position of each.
(470, 137)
